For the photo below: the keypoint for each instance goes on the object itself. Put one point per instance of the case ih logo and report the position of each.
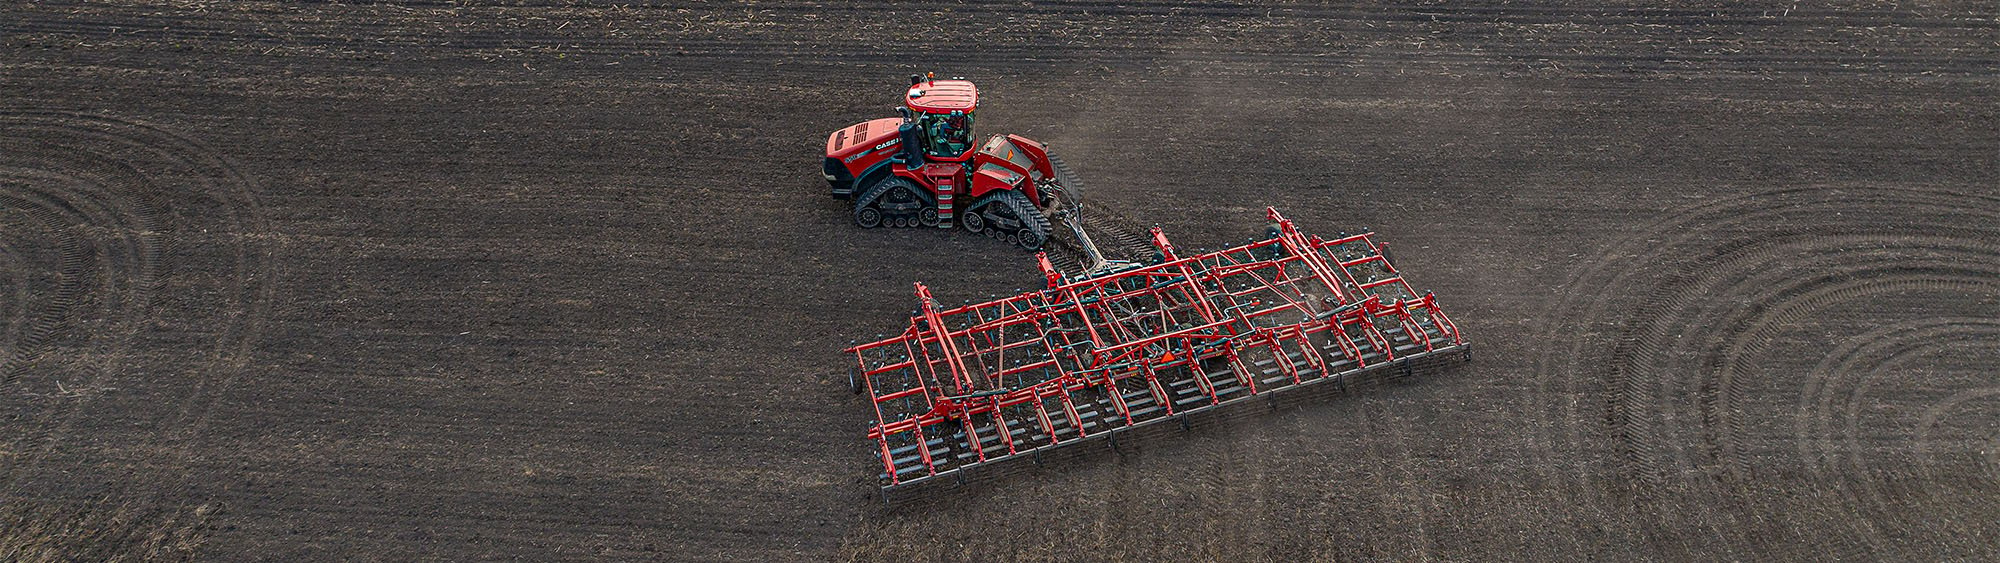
(885, 144)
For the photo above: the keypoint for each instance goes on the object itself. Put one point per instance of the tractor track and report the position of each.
(1831, 420)
(1721, 437)
(1749, 337)
(14, 313)
(1779, 300)
(1744, 210)
(125, 199)
(1828, 422)
(102, 273)
(43, 322)
(1784, 275)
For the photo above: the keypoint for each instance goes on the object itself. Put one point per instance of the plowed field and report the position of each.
(534, 280)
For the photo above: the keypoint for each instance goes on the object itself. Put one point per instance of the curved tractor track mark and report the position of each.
(1831, 418)
(1818, 271)
(1718, 284)
(92, 228)
(1934, 416)
(102, 278)
(37, 324)
(13, 318)
(127, 206)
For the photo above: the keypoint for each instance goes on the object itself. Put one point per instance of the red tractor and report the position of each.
(922, 169)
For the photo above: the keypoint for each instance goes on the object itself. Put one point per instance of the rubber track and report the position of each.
(887, 218)
(1018, 204)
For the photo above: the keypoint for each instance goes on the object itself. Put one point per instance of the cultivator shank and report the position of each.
(1099, 355)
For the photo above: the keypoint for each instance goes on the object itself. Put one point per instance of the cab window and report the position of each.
(949, 134)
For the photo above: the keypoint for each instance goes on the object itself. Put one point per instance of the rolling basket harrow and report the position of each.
(1131, 346)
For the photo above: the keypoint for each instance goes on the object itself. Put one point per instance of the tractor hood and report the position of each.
(863, 137)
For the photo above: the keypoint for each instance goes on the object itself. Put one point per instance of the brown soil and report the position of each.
(427, 280)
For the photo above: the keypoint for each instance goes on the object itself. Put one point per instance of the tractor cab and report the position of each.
(942, 111)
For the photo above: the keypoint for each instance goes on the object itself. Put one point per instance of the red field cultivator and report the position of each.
(1135, 346)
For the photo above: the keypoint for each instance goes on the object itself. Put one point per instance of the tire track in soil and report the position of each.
(1742, 337)
(13, 316)
(107, 274)
(1233, 478)
(1827, 423)
(1410, 478)
(228, 188)
(1866, 537)
(1642, 351)
(39, 324)
(1746, 344)
(1721, 433)
(1717, 261)
(128, 200)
